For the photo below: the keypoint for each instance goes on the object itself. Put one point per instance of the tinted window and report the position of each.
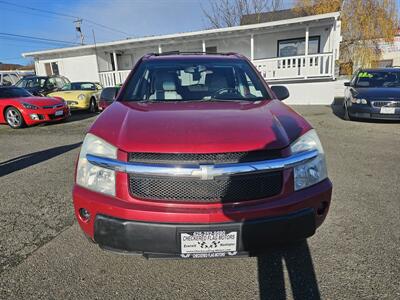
(379, 78)
(195, 79)
(21, 83)
(13, 92)
(31, 82)
(78, 86)
(108, 94)
(60, 83)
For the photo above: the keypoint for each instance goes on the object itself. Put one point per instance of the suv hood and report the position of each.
(199, 127)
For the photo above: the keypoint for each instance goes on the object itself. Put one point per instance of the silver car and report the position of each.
(8, 78)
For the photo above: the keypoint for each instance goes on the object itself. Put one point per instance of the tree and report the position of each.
(365, 24)
(228, 13)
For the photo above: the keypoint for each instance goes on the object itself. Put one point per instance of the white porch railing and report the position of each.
(112, 78)
(292, 67)
(296, 67)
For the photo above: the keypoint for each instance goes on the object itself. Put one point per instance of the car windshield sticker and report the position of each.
(365, 75)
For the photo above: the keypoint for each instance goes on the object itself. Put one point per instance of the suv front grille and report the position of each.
(203, 158)
(225, 189)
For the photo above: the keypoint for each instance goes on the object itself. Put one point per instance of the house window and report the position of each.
(51, 68)
(47, 68)
(384, 63)
(54, 67)
(212, 49)
(294, 47)
(112, 61)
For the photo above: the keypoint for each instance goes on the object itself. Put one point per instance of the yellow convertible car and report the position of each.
(80, 95)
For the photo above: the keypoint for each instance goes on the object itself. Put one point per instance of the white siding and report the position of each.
(75, 68)
(310, 92)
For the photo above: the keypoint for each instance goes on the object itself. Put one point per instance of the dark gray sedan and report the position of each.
(373, 94)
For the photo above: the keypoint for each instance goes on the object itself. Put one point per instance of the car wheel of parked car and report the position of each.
(14, 118)
(93, 106)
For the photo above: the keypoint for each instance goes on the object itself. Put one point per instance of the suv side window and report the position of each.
(51, 83)
(59, 82)
(21, 83)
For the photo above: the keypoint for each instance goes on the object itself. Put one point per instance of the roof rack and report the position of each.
(190, 53)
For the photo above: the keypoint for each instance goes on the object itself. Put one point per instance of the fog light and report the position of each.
(34, 117)
(84, 213)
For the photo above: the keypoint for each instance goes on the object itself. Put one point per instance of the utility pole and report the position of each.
(78, 24)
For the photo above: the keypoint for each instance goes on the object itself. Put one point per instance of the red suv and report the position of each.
(198, 157)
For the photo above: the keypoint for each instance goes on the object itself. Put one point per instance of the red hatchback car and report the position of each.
(198, 157)
(19, 108)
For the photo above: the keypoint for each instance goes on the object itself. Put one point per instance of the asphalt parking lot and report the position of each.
(354, 255)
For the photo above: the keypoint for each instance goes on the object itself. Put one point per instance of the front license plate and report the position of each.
(59, 113)
(388, 110)
(200, 244)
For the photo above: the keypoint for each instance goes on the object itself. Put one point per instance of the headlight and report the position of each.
(29, 106)
(312, 171)
(358, 101)
(81, 97)
(93, 177)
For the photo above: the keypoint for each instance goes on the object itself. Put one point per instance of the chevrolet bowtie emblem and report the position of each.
(205, 172)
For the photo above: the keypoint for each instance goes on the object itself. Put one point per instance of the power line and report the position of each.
(36, 38)
(64, 15)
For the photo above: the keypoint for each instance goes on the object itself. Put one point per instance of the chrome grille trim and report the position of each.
(385, 103)
(203, 172)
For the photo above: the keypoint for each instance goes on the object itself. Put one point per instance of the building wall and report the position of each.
(265, 46)
(75, 68)
(311, 92)
(391, 51)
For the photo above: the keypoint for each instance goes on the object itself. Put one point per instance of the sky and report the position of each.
(134, 17)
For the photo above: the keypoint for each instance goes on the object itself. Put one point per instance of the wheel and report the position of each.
(14, 118)
(93, 106)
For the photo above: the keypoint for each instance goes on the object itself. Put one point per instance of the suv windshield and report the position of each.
(79, 86)
(379, 78)
(14, 92)
(195, 79)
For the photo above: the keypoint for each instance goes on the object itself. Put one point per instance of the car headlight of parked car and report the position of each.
(81, 97)
(93, 177)
(358, 101)
(30, 106)
(312, 171)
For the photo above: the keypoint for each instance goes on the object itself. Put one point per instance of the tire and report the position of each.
(93, 106)
(14, 118)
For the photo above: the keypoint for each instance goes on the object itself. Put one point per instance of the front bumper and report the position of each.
(119, 225)
(44, 115)
(78, 104)
(163, 239)
(369, 112)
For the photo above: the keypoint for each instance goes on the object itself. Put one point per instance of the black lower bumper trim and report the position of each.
(162, 239)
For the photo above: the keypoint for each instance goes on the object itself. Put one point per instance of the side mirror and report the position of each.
(347, 83)
(280, 91)
(109, 94)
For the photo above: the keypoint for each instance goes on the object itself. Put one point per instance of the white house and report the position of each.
(297, 52)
